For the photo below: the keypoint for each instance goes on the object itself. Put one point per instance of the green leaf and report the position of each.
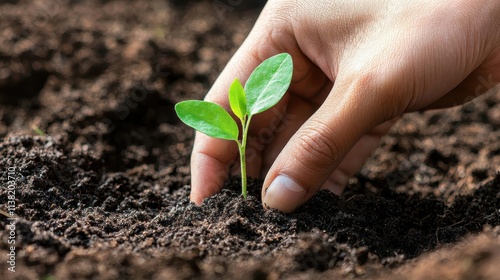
(268, 83)
(237, 99)
(208, 118)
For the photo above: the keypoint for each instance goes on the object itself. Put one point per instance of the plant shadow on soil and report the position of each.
(106, 194)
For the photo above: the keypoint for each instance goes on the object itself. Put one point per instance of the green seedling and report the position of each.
(38, 131)
(264, 88)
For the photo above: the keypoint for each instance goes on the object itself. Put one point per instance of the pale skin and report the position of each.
(358, 66)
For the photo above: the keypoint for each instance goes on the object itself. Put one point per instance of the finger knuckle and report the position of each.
(382, 92)
(317, 140)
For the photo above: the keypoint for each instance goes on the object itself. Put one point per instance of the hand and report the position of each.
(358, 66)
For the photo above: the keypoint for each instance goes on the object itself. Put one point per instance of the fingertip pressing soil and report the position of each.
(103, 191)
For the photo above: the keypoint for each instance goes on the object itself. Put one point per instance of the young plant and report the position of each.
(264, 88)
(38, 131)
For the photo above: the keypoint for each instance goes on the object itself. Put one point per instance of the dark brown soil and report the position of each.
(102, 191)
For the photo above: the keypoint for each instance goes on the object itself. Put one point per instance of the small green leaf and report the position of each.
(208, 118)
(268, 83)
(237, 99)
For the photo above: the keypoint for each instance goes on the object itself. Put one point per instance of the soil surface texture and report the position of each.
(95, 164)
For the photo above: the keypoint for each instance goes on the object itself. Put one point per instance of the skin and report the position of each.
(358, 66)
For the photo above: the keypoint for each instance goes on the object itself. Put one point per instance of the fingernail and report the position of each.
(284, 194)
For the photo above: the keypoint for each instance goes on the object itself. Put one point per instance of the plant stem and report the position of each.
(242, 147)
(243, 172)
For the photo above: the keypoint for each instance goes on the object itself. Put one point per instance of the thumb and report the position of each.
(317, 148)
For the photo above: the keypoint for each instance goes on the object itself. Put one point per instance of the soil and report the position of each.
(100, 163)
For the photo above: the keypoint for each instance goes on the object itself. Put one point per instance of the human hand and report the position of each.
(358, 66)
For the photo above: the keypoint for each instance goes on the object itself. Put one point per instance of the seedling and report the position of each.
(264, 88)
(38, 131)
